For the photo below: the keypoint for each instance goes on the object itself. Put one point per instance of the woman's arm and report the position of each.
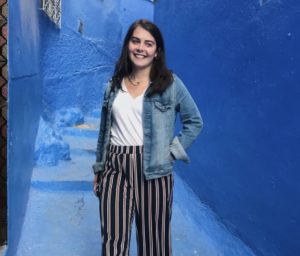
(190, 118)
(96, 165)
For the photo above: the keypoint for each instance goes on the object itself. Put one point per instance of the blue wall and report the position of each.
(24, 109)
(77, 65)
(241, 62)
(133, 10)
(50, 69)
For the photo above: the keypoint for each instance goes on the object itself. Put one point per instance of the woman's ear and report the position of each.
(157, 52)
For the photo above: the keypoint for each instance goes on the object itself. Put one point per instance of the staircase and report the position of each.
(62, 217)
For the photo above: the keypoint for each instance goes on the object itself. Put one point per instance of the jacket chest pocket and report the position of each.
(162, 113)
(163, 107)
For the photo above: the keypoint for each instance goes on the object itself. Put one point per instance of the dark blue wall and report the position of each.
(241, 62)
(24, 103)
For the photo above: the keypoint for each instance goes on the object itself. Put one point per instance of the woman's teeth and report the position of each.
(139, 56)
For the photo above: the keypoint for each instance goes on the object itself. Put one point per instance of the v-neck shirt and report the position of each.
(127, 125)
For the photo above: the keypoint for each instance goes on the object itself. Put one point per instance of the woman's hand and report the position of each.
(96, 184)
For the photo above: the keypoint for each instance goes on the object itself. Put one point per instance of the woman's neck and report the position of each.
(141, 74)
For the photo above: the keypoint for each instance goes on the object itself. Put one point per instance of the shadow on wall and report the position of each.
(24, 105)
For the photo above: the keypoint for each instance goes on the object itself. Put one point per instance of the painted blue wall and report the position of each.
(133, 10)
(241, 63)
(24, 104)
(77, 65)
(50, 69)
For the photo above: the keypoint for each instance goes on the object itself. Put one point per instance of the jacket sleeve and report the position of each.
(190, 118)
(97, 166)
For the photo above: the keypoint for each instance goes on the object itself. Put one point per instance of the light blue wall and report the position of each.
(77, 66)
(24, 104)
(241, 62)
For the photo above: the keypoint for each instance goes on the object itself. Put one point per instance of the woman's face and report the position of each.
(142, 48)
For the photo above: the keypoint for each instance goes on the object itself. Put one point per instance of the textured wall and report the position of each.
(50, 69)
(240, 60)
(133, 10)
(24, 109)
(79, 59)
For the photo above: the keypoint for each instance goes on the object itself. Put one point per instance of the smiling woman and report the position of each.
(137, 148)
(142, 49)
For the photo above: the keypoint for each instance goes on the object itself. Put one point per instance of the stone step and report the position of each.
(79, 168)
(83, 130)
(81, 143)
(95, 113)
(89, 128)
(92, 122)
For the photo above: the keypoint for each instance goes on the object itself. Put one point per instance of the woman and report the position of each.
(136, 147)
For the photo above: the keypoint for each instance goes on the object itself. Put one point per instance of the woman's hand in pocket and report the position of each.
(96, 184)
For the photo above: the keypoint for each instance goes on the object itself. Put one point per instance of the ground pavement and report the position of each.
(62, 217)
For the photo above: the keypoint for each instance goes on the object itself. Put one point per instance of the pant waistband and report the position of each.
(125, 149)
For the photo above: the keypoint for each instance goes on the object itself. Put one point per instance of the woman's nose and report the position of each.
(140, 48)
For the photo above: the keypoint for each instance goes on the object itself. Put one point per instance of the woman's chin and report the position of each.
(139, 65)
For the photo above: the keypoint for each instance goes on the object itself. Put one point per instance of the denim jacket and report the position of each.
(161, 148)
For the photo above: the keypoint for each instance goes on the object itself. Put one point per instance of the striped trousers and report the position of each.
(126, 195)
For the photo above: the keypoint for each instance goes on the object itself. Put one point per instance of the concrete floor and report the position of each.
(62, 215)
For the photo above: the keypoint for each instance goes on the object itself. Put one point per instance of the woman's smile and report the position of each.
(142, 48)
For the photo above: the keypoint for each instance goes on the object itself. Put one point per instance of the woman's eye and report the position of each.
(134, 41)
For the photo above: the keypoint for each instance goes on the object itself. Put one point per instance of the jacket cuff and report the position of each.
(178, 151)
(97, 168)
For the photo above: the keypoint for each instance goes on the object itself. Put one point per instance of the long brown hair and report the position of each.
(160, 76)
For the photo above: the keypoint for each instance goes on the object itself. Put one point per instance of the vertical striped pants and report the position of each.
(124, 194)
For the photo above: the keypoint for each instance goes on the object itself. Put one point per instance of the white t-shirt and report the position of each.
(127, 123)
